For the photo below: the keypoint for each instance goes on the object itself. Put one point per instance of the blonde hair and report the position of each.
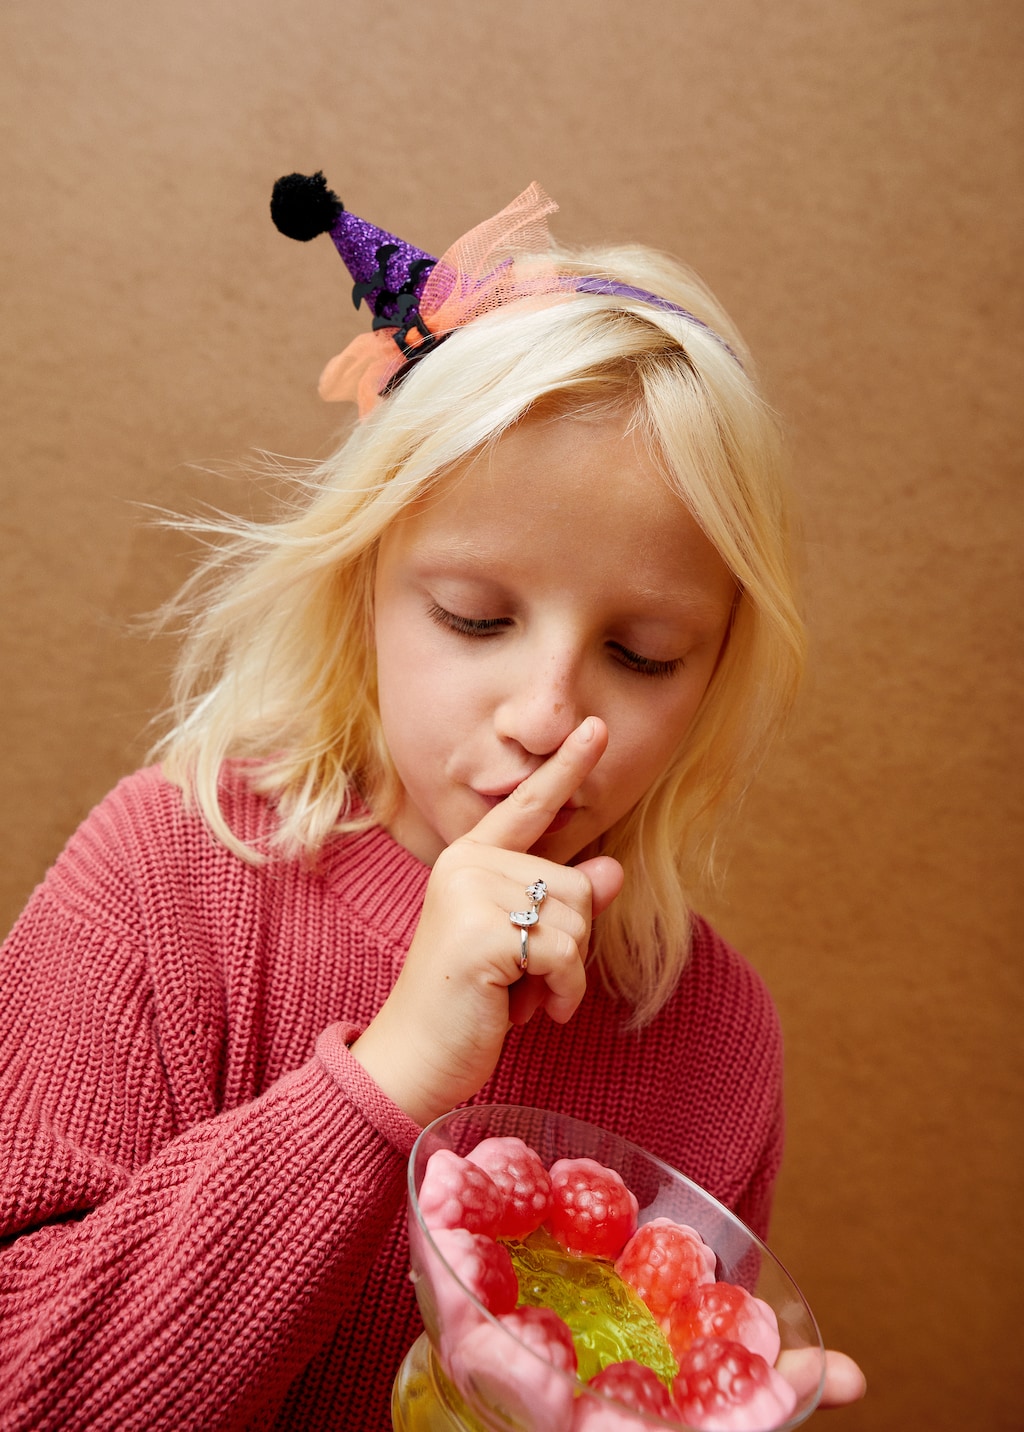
(277, 669)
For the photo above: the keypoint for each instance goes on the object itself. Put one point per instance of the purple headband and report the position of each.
(417, 300)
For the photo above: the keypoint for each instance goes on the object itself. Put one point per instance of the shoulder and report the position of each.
(146, 835)
(733, 1034)
(721, 1037)
(148, 802)
(721, 1033)
(725, 990)
(145, 858)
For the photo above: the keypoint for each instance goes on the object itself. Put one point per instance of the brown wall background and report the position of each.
(847, 175)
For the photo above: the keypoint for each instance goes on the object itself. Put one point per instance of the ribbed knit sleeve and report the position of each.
(167, 1261)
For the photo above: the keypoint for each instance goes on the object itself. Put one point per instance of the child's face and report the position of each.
(554, 578)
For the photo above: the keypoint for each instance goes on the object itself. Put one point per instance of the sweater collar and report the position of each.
(379, 878)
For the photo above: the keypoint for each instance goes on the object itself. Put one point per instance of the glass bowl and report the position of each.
(438, 1388)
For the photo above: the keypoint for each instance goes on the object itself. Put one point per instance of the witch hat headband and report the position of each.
(418, 300)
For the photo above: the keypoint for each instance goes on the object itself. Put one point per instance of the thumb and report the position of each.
(606, 877)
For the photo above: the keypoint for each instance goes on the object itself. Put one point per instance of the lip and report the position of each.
(495, 794)
(560, 819)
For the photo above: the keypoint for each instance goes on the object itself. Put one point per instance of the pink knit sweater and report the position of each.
(202, 1193)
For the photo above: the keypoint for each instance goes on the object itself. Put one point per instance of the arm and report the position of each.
(158, 1270)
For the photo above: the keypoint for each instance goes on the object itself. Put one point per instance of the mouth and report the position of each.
(561, 819)
(558, 822)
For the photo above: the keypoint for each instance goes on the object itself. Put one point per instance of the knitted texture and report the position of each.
(202, 1193)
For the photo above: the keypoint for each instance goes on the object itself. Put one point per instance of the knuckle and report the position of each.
(458, 868)
(528, 799)
(462, 881)
(450, 859)
(567, 948)
(578, 930)
(580, 890)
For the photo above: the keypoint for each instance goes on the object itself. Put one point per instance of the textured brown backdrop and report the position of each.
(848, 177)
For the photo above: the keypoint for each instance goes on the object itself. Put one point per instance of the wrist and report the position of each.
(398, 1074)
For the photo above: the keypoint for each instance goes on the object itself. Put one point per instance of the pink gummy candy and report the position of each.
(522, 1363)
(593, 1213)
(457, 1194)
(522, 1180)
(479, 1264)
(664, 1262)
(626, 1388)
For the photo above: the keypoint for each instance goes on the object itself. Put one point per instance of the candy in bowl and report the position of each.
(571, 1282)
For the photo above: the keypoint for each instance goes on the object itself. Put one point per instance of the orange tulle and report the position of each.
(500, 262)
(359, 371)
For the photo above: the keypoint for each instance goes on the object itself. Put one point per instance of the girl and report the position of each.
(534, 621)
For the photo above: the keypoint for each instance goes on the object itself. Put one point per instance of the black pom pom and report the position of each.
(302, 206)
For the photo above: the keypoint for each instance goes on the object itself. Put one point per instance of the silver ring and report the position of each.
(524, 920)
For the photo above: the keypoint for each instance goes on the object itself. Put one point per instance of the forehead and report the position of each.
(561, 457)
(560, 496)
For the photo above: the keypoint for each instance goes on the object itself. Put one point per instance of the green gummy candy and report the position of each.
(609, 1323)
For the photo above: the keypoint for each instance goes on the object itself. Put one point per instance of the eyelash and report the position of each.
(645, 665)
(479, 627)
(465, 626)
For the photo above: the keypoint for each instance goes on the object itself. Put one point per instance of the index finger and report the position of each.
(523, 817)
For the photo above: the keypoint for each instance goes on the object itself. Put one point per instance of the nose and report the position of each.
(543, 702)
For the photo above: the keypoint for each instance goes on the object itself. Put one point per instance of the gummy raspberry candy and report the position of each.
(631, 1385)
(724, 1387)
(593, 1213)
(457, 1194)
(521, 1179)
(522, 1364)
(723, 1310)
(482, 1266)
(664, 1262)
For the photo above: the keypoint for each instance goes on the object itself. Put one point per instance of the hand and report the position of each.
(844, 1381)
(439, 1034)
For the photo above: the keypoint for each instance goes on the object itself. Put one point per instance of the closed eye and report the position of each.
(644, 665)
(489, 626)
(466, 626)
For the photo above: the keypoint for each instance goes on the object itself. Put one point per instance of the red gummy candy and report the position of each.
(593, 1213)
(631, 1385)
(457, 1194)
(520, 1178)
(723, 1310)
(724, 1387)
(664, 1262)
(481, 1265)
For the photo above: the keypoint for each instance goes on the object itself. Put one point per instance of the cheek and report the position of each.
(422, 684)
(404, 655)
(398, 685)
(647, 741)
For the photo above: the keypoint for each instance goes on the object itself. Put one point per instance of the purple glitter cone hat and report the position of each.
(419, 300)
(389, 273)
